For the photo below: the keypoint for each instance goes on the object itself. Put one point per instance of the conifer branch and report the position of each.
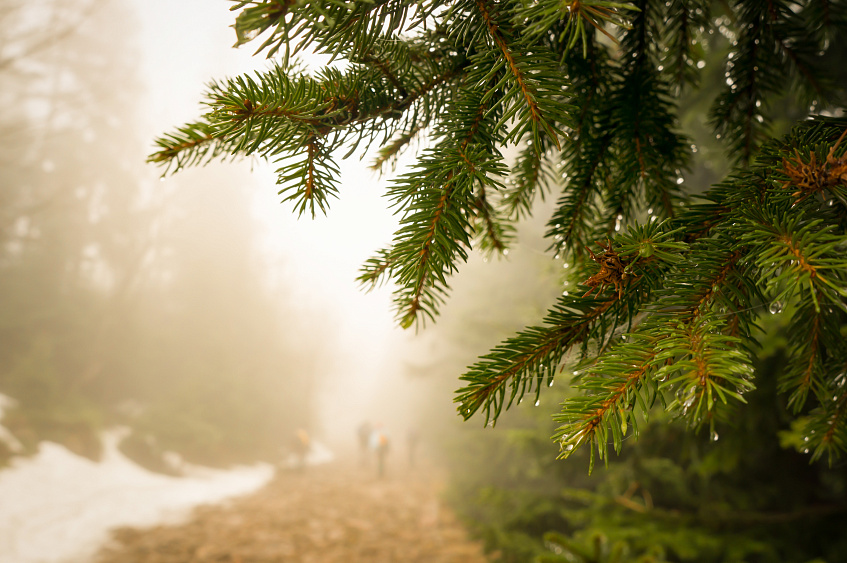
(495, 235)
(530, 175)
(432, 238)
(534, 354)
(833, 438)
(570, 225)
(622, 378)
(805, 369)
(518, 74)
(825, 428)
(385, 69)
(252, 116)
(535, 351)
(391, 151)
(423, 264)
(668, 308)
(683, 19)
(376, 269)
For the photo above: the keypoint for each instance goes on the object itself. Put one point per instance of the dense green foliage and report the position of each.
(669, 496)
(676, 283)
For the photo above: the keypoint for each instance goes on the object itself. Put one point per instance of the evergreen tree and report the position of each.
(671, 278)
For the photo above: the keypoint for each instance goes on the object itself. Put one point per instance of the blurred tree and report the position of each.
(123, 300)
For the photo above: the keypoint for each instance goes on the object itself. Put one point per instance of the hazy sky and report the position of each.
(184, 45)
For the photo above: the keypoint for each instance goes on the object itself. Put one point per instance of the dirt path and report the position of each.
(327, 514)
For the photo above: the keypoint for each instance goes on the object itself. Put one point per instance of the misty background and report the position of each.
(196, 310)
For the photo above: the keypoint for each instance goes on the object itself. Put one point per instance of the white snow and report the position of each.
(58, 507)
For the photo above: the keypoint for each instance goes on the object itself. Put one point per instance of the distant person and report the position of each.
(412, 439)
(302, 446)
(381, 445)
(364, 433)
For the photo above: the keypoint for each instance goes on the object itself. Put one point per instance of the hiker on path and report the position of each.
(301, 446)
(381, 445)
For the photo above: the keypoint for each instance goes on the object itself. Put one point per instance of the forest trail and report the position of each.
(334, 513)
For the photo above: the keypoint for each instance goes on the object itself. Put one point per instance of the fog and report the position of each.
(194, 313)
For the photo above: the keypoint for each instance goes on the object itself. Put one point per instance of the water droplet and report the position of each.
(556, 257)
(679, 180)
(715, 436)
(569, 447)
(576, 372)
(701, 64)
(550, 383)
(806, 439)
(775, 308)
(566, 265)
(830, 202)
(537, 402)
(805, 450)
(162, 179)
(565, 293)
(506, 252)
(650, 211)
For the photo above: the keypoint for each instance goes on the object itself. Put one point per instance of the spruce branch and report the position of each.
(495, 234)
(684, 19)
(376, 268)
(389, 153)
(579, 17)
(277, 115)
(522, 363)
(805, 371)
(529, 98)
(339, 28)
(668, 309)
(435, 230)
(531, 174)
(192, 144)
(826, 427)
(571, 226)
(256, 17)
(797, 256)
(622, 378)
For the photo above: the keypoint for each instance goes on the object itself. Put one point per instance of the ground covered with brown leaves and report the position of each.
(328, 514)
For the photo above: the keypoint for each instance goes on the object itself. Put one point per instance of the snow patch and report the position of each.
(59, 507)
